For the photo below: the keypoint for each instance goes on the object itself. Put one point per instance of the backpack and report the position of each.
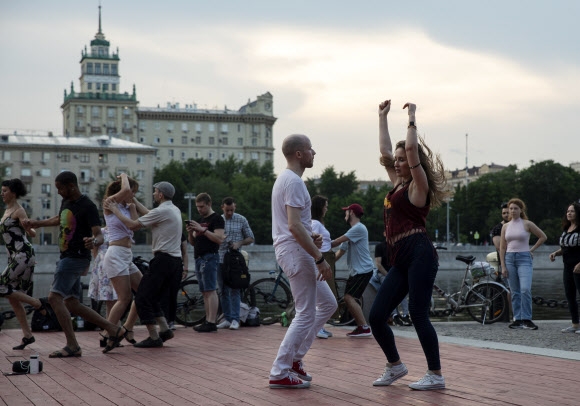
(44, 322)
(235, 270)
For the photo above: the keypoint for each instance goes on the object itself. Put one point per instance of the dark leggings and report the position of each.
(571, 285)
(414, 273)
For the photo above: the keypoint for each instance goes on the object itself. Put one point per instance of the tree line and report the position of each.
(546, 187)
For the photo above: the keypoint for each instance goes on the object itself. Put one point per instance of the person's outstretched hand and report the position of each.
(412, 107)
(384, 107)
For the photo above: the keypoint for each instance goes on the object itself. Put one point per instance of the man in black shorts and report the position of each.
(360, 265)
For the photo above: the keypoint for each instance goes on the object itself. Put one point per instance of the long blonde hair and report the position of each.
(433, 167)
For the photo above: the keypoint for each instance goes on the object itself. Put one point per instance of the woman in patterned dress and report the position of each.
(16, 280)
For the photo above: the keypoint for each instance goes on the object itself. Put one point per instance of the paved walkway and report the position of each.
(231, 368)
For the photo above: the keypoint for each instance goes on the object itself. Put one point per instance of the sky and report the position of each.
(494, 82)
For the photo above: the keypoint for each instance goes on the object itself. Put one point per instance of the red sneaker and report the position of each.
(298, 369)
(290, 382)
(360, 332)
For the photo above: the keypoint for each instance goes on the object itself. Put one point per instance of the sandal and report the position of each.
(103, 341)
(66, 352)
(25, 342)
(127, 332)
(115, 341)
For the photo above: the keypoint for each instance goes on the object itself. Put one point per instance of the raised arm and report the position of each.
(419, 187)
(123, 194)
(385, 143)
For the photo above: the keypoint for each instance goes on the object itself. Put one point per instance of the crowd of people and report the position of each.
(403, 271)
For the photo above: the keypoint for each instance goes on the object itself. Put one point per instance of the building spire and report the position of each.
(100, 32)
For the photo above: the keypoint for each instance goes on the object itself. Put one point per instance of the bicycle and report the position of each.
(273, 296)
(190, 309)
(486, 301)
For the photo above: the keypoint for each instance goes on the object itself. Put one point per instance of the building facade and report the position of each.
(37, 159)
(178, 133)
(463, 177)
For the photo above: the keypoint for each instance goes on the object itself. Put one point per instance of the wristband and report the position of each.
(412, 124)
(320, 260)
(203, 232)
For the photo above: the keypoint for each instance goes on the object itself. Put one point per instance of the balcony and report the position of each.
(127, 131)
(79, 129)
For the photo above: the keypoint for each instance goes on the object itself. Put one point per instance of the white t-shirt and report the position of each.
(166, 228)
(289, 190)
(318, 228)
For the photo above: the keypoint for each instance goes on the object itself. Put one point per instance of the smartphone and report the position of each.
(188, 222)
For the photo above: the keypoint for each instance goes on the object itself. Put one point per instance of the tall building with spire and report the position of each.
(99, 107)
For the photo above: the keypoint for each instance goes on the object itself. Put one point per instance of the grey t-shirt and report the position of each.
(358, 256)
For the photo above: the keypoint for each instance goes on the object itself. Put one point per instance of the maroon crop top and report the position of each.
(401, 216)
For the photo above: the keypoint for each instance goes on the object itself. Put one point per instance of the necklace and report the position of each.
(405, 182)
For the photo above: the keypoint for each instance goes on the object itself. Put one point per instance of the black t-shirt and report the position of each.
(204, 245)
(496, 231)
(77, 218)
(381, 251)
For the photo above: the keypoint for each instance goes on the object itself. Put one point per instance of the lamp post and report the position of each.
(448, 201)
(189, 197)
(42, 218)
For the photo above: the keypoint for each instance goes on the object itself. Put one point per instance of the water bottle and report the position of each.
(80, 323)
(284, 319)
(33, 364)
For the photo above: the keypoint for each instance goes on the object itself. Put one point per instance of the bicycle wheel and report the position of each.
(345, 318)
(488, 303)
(190, 308)
(271, 298)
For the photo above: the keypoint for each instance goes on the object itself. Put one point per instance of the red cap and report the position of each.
(356, 208)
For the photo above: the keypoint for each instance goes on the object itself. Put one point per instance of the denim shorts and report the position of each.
(206, 268)
(67, 278)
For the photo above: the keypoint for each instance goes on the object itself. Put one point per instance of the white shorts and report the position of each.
(118, 261)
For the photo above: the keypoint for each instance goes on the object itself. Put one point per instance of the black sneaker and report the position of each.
(149, 343)
(529, 325)
(166, 335)
(206, 327)
(407, 320)
(398, 320)
(517, 324)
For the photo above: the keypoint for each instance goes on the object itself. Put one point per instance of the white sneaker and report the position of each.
(571, 329)
(328, 333)
(322, 334)
(430, 381)
(234, 325)
(391, 374)
(224, 324)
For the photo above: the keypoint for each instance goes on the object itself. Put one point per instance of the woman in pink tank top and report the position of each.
(516, 261)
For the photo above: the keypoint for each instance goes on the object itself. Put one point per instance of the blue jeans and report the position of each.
(230, 299)
(206, 268)
(413, 273)
(519, 267)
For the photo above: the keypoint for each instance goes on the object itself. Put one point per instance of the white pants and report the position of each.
(119, 262)
(314, 302)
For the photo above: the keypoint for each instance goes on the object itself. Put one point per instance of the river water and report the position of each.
(547, 283)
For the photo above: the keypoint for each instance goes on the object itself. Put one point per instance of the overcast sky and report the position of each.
(505, 72)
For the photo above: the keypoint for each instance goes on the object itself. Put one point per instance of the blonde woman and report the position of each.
(516, 261)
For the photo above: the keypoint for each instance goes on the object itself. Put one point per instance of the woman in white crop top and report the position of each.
(118, 262)
(516, 259)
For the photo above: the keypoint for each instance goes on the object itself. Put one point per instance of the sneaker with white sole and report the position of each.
(224, 324)
(571, 329)
(234, 325)
(360, 332)
(529, 325)
(328, 333)
(430, 381)
(391, 374)
(290, 382)
(321, 334)
(298, 369)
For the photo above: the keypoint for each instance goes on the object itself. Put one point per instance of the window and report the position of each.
(6, 156)
(45, 188)
(90, 68)
(225, 141)
(85, 175)
(102, 173)
(211, 140)
(98, 86)
(46, 203)
(211, 127)
(255, 156)
(239, 127)
(240, 141)
(140, 159)
(170, 153)
(142, 125)
(170, 127)
(103, 158)
(8, 171)
(65, 157)
(267, 143)
(89, 86)
(254, 142)
(126, 111)
(85, 158)
(184, 127)
(45, 173)
(105, 87)
(183, 155)
(224, 155)
(80, 110)
(97, 68)
(114, 87)
(224, 129)
(210, 156)
(140, 174)
(157, 125)
(184, 140)
(96, 112)
(114, 69)
(170, 140)
(197, 155)
(26, 172)
(142, 140)
(156, 140)
(25, 156)
(268, 156)
(122, 158)
(241, 156)
(111, 112)
(80, 124)
(106, 68)
(198, 140)
(198, 127)
(85, 189)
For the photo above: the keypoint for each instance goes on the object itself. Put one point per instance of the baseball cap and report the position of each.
(356, 208)
(166, 188)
